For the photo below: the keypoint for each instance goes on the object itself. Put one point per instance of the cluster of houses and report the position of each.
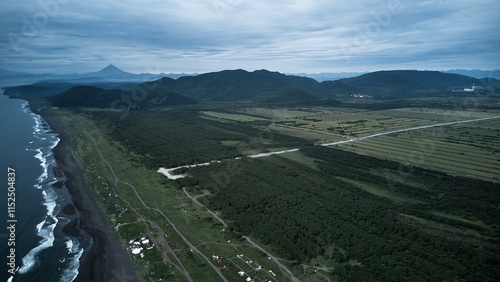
(365, 96)
(242, 273)
(220, 259)
(137, 246)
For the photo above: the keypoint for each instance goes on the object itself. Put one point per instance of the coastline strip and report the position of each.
(106, 257)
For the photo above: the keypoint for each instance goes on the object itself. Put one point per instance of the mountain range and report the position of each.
(340, 75)
(477, 73)
(261, 86)
(113, 74)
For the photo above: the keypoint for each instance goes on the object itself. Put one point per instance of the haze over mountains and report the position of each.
(113, 74)
(108, 74)
(261, 86)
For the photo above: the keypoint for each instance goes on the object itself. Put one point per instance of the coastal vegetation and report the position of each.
(129, 219)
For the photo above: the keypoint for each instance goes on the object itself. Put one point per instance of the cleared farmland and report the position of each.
(332, 123)
(471, 149)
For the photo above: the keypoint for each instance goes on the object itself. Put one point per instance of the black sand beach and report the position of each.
(107, 260)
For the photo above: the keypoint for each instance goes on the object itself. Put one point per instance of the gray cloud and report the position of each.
(288, 36)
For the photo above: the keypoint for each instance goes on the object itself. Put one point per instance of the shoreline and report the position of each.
(106, 259)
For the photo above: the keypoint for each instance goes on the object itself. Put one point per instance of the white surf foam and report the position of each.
(70, 263)
(45, 230)
(30, 261)
(71, 272)
(40, 225)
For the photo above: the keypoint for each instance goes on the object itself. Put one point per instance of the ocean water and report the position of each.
(42, 251)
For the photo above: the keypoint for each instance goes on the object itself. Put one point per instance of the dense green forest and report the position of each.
(304, 213)
(180, 137)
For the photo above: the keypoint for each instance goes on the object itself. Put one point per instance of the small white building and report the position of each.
(136, 251)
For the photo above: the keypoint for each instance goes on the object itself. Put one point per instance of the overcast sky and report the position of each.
(281, 35)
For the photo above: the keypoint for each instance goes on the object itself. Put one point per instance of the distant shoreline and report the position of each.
(106, 260)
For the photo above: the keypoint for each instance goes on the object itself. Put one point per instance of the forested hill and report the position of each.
(414, 82)
(233, 85)
(256, 86)
(90, 96)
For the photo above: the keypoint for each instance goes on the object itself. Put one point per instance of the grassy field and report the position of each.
(333, 123)
(232, 117)
(470, 149)
(384, 193)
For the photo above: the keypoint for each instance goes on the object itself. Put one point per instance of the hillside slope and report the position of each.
(409, 82)
(90, 96)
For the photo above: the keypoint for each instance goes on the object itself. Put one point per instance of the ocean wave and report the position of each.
(50, 202)
(40, 225)
(30, 261)
(45, 229)
(44, 153)
(69, 245)
(45, 142)
(46, 160)
(71, 271)
(43, 164)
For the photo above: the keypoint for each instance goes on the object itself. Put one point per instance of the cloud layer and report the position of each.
(287, 36)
